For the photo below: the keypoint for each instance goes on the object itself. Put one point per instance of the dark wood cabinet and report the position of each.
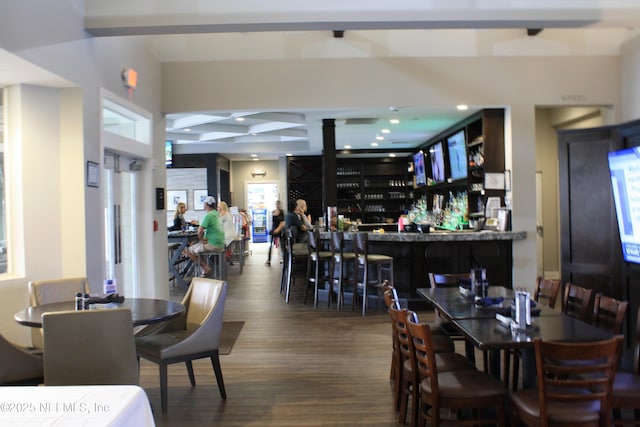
(591, 254)
(304, 178)
(484, 137)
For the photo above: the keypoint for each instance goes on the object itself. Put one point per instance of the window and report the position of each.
(3, 210)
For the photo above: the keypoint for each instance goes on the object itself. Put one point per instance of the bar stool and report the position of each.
(364, 260)
(216, 261)
(339, 260)
(317, 259)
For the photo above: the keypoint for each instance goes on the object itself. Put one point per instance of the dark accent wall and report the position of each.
(208, 161)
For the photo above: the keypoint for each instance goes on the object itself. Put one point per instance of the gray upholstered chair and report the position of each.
(19, 366)
(199, 336)
(52, 291)
(89, 347)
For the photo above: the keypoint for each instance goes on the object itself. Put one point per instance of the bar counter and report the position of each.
(417, 254)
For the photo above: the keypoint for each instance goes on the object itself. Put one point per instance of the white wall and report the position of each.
(630, 80)
(56, 216)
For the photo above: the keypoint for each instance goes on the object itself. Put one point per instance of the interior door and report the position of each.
(539, 226)
(120, 217)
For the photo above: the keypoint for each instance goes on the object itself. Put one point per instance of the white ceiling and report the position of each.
(192, 30)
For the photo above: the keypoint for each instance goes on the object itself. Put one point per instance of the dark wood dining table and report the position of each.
(144, 311)
(483, 330)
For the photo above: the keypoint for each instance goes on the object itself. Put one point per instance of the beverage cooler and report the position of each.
(259, 225)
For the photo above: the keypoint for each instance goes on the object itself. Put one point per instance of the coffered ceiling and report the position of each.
(192, 30)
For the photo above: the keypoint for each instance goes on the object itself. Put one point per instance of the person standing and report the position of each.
(229, 229)
(277, 225)
(210, 235)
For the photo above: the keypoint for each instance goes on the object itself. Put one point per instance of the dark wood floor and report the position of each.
(291, 365)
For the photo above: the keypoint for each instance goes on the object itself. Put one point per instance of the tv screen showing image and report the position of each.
(624, 169)
(168, 154)
(436, 158)
(457, 155)
(418, 168)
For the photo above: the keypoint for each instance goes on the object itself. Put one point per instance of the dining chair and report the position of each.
(318, 266)
(575, 380)
(363, 262)
(609, 313)
(19, 365)
(51, 291)
(198, 337)
(547, 291)
(576, 301)
(294, 253)
(626, 388)
(407, 372)
(473, 397)
(341, 263)
(89, 347)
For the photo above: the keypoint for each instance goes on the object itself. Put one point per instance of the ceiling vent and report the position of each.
(361, 121)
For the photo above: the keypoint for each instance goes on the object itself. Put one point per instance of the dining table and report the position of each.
(179, 265)
(484, 330)
(144, 311)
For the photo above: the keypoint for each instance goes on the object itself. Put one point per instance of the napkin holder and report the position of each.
(522, 310)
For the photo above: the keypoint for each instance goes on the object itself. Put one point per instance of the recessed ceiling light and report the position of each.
(289, 154)
(394, 121)
(462, 107)
(255, 159)
(385, 131)
(374, 144)
(239, 119)
(254, 155)
(187, 129)
(379, 137)
(347, 147)
(392, 154)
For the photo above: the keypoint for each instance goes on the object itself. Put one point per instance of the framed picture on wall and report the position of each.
(198, 199)
(174, 197)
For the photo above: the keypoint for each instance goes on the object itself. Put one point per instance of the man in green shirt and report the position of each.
(210, 235)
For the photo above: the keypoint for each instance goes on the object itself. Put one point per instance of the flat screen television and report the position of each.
(418, 169)
(168, 154)
(436, 159)
(624, 169)
(457, 155)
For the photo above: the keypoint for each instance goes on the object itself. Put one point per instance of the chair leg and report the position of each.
(163, 386)
(215, 361)
(192, 377)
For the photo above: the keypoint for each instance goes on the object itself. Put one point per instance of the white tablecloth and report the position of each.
(75, 406)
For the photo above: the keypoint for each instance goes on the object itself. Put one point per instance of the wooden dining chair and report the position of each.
(609, 313)
(576, 301)
(575, 380)
(197, 338)
(408, 382)
(626, 388)
(475, 395)
(89, 347)
(547, 291)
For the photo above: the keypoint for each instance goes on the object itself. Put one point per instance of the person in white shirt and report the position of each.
(229, 228)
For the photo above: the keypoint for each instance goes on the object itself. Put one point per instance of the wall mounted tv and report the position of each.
(457, 155)
(624, 169)
(436, 159)
(168, 154)
(418, 169)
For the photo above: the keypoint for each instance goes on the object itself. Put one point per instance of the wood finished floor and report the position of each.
(292, 365)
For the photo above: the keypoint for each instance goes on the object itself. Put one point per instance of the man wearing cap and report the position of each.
(210, 235)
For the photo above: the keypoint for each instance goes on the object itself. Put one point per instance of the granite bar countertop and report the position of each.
(437, 236)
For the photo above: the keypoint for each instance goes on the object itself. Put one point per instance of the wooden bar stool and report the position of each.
(339, 260)
(318, 259)
(365, 260)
